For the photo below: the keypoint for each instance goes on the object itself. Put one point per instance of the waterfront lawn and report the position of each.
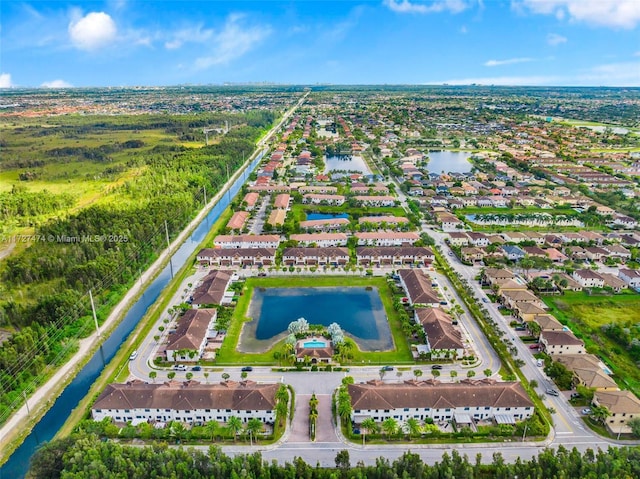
(228, 355)
(586, 315)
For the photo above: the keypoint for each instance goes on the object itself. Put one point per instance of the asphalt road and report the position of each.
(569, 430)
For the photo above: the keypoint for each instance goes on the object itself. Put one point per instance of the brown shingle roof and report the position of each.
(191, 330)
(420, 394)
(246, 395)
(618, 401)
(212, 288)
(438, 328)
(418, 286)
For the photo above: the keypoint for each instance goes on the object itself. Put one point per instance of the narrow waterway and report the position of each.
(18, 464)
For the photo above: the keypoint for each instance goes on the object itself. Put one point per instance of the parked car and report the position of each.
(436, 366)
(485, 300)
(534, 346)
(196, 368)
(539, 363)
(133, 355)
(179, 367)
(247, 369)
(586, 410)
(575, 395)
(387, 368)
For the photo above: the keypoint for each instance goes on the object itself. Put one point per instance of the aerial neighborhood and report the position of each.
(416, 279)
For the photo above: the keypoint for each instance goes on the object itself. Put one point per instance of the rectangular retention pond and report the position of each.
(358, 310)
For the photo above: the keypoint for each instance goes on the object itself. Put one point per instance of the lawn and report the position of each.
(586, 315)
(229, 355)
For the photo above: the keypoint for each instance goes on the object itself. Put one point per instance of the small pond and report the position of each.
(353, 163)
(325, 216)
(358, 311)
(449, 162)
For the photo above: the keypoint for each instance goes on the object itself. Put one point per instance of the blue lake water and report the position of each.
(358, 311)
(325, 216)
(449, 162)
(352, 163)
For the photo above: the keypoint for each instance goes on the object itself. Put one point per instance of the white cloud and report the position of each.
(93, 31)
(608, 13)
(554, 39)
(612, 74)
(433, 6)
(5, 80)
(195, 34)
(233, 41)
(56, 84)
(509, 61)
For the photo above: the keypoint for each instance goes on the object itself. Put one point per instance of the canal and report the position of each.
(18, 464)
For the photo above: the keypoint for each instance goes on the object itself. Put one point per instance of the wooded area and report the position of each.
(87, 456)
(53, 275)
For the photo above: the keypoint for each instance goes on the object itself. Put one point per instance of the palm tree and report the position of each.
(471, 373)
(177, 431)
(313, 402)
(225, 376)
(487, 372)
(368, 426)
(206, 376)
(453, 374)
(417, 373)
(234, 424)
(435, 373)
(344, 408)
(600, 413)
(254, 427)
(171, 375)
(411, 427)
(313, 419)
(153, 375)
(211, 427)
(390, 426)
(282, 394)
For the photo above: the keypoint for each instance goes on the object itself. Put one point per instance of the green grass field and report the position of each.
(586, 315)
(229, 355)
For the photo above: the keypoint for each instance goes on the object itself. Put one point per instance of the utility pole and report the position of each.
(204, 190)
(26, 403)
(93, 310)
(166, 231)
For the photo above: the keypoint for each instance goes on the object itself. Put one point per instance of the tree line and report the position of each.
(86, 456)
(56, 274)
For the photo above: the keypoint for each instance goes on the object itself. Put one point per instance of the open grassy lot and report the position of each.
(229, 355)
(586, 315)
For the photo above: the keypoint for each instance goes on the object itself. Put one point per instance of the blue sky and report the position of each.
(502, 42)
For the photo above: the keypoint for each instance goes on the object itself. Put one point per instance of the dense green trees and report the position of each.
(85, 456)
(102, 248)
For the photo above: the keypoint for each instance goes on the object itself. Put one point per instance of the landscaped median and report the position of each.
(509, 368)
(229, 355)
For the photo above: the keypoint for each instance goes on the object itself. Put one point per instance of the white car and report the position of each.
(133, 355)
